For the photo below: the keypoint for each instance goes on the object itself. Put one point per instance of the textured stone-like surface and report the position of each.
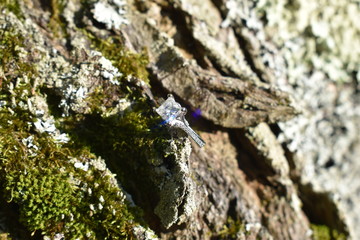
(222, 59)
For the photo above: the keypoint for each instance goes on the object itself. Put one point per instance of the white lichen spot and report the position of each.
(29, 142)
(100, 206)
(62, 138)
(101, 199)
(254, 226)
(81, 92)
(111, 16)
(296, 202)
(146, 233)
(57, 236)
(2, 103)
(45, 126)
(124, 104)
(119, 3)
(39, 113)
(99, 164)
(32, 149)
(11, 112)
(108, 71)
(92, 208)
(82, 166)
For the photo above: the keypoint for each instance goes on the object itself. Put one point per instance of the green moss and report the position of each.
(56, 23)
(112, 47)
(46, 196)
(323, 232)
(18, 73)
(40, 182)
(128, 63)
(53, 196)
(135, 138)
(4, 236)
(12, 6)
(10, 54)
(38, 175)
(230, 229)
(130, 142)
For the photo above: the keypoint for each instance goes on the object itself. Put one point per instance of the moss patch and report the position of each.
(132, 145)
(230, 229)
(54, 196)
(56, 23)
(128, 63)
(39, 174)
(12, 6)
(323, 232)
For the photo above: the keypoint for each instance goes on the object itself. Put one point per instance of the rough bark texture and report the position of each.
(78, 83)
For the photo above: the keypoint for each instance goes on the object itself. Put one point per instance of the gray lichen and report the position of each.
(177, 192)
(110, 13)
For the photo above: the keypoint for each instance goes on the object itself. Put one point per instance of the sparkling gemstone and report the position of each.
(173, 115)
(169, 110)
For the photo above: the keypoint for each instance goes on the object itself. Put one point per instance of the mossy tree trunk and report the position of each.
(84, 77)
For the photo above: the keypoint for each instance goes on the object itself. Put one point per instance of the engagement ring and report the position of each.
(174, 116)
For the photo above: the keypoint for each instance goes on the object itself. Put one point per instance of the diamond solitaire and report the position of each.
(174, 116)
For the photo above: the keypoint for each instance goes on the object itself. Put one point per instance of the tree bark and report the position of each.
(104, 65)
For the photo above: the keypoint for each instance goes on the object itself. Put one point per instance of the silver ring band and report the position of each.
(185, 126)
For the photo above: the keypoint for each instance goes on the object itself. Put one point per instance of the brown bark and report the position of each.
(240, 174)
(240, 185)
